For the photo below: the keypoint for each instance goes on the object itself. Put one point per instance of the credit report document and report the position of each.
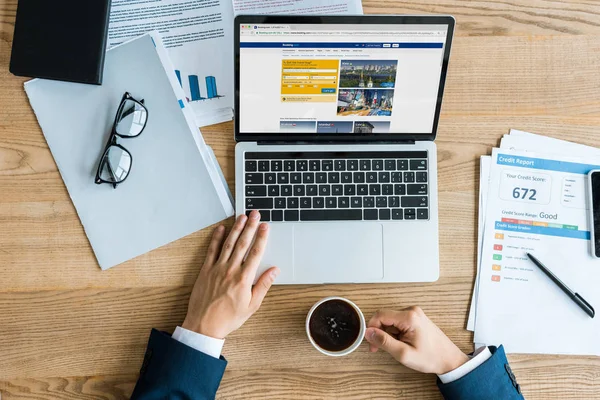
(537, 204)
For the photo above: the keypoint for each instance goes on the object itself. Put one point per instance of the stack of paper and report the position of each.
(175, 186)
(199, 39)
(533, 199)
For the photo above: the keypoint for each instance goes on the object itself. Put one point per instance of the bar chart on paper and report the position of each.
(542, 228)
(193, 84)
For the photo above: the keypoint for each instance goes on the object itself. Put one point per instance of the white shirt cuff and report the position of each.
(205, 344)
(479, 357)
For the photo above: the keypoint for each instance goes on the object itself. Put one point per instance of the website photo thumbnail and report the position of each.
(371, 127)
(368, 73)
(297, 126)
(334, 127)
(365, 102)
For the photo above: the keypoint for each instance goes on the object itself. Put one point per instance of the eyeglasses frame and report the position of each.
(112, 141)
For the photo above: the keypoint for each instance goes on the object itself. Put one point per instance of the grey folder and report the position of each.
(175, 186)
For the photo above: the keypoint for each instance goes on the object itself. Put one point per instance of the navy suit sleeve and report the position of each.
(493, 380)
(174, 371)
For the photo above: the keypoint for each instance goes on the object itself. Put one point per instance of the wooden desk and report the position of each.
(70, 331)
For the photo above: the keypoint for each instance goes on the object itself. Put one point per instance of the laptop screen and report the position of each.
(339, 79)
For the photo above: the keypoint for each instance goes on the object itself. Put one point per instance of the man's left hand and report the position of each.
(223, 297)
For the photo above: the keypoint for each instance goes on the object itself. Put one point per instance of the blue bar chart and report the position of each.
(194, 84)
(195, 88)
(211, 86)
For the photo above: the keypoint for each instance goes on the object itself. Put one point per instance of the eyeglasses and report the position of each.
(116, 160)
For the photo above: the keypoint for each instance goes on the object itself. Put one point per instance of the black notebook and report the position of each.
(60, 39)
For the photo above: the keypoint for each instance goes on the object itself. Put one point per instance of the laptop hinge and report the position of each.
(338, 142)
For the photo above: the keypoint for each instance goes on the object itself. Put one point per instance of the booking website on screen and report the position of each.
(339, 79)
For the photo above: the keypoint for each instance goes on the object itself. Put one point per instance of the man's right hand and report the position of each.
(414, 341)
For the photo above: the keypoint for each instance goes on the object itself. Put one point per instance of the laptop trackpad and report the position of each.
(338, 253)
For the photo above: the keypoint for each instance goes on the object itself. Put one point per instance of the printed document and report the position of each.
(199, 37)
(316, 7)
(516, 140)
(484, 175)
(538, 204)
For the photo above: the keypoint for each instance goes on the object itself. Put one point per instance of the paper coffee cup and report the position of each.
(338, 321)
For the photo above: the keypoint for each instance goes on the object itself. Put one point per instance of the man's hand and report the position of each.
(223, 297)
(414, 341)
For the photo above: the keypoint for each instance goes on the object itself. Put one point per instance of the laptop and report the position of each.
(335, 121)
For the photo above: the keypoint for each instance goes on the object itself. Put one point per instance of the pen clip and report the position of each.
(586, 303)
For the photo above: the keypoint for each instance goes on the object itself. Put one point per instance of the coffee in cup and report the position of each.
(335, 326)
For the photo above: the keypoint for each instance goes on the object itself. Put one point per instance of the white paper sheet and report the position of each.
(484, 176)
(517, 305)
(198, 35)
(525, 141)
(519, 140)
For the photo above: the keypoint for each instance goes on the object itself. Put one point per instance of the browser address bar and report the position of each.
(351, 33)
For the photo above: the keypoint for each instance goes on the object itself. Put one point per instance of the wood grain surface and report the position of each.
(71, 331)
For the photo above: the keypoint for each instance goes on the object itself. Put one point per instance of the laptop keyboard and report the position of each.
(337, 186)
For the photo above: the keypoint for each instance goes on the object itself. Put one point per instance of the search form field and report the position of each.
(290, 70)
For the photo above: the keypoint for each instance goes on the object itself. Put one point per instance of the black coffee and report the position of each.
(334, 325)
